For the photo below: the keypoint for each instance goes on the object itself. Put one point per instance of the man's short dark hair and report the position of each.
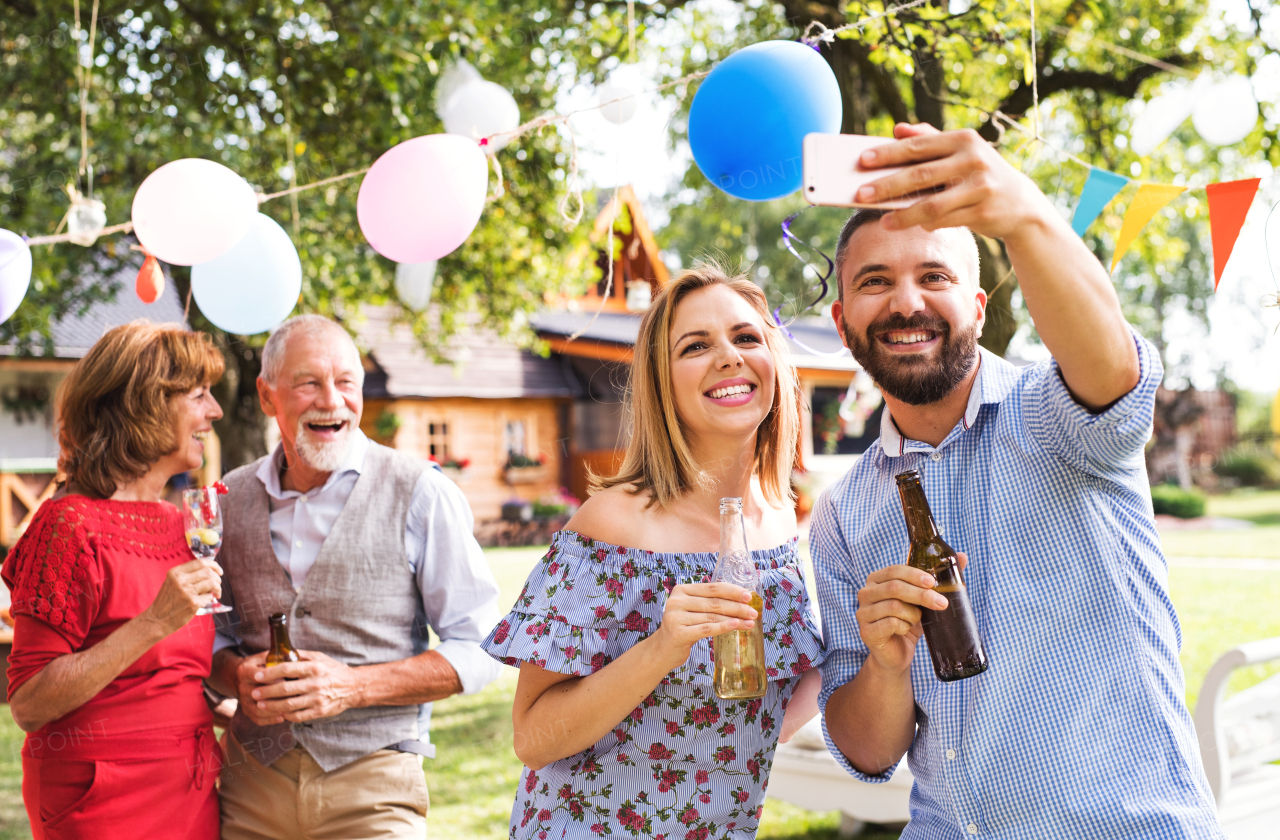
(860, 217)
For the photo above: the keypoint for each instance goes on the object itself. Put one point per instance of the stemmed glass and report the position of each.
(203, 520)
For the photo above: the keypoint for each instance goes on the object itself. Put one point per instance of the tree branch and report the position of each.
(1019, 101)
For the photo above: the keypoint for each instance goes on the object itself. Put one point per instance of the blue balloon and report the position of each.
(254, 286)
(749, 118)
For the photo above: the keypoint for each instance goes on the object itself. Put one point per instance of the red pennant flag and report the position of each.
(1228, 205)
(150, 282)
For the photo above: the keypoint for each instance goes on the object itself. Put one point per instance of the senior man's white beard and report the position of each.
(321, 455)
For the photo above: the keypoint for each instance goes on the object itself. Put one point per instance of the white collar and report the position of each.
(893, 444)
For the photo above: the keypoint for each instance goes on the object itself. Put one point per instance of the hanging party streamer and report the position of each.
(1098, 191)
(1146, 203)
(1228, 205)
(788, 238)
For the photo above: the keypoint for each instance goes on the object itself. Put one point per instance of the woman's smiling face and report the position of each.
(722, 372)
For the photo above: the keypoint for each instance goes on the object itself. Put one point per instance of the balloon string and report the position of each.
(825, 34)
(268, 196)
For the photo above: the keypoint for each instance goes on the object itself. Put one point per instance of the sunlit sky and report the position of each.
(1242, 339)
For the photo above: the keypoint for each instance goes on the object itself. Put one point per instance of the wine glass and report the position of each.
(203, 521)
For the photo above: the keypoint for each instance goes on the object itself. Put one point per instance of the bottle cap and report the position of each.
(909, 475)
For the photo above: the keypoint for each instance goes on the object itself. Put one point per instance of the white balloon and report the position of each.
(481, 109)
(624, 108)
(452, 77)
(414, 282)
(15, 272)
(254, 286)
(189, 211)
(1160, 118)
(1226, 112)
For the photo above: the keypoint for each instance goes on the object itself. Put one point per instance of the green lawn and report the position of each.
(1262, 507)
(473, 781)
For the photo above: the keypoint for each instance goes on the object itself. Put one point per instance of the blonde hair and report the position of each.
(115, 412)
(658, 458)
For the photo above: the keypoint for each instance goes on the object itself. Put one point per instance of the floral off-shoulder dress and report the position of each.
(684, 765)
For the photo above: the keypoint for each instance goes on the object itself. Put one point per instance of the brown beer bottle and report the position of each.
(281, 648)
(952, 633)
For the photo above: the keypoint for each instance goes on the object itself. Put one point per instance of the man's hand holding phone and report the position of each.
(955, 179)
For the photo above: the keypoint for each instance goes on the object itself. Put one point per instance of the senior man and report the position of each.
(363, 549)
(1078, 728)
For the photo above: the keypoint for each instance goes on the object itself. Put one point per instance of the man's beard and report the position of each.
(319, 455)
(916, 379)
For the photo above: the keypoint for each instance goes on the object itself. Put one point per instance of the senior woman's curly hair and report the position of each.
(114, 409)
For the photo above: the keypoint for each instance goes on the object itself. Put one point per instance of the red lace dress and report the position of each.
(139, 759)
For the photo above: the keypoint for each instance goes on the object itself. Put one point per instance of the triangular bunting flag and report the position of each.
(1098, 191)
(1147, 201)
(1228, 205)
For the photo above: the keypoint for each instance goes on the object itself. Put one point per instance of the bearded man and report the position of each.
(1078, 728)
(363, 549)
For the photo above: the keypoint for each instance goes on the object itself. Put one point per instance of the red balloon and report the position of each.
(150, 283)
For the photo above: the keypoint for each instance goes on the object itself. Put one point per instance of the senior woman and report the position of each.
(120, 742)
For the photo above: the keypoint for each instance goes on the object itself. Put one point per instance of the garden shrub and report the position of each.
(1252, 467)
(1174, 501)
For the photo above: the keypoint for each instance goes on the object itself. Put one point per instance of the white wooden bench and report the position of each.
(1239, 739)
(805, 774)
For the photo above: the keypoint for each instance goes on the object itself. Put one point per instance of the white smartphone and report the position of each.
(832, 175)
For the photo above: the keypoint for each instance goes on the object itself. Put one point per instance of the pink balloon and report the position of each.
(423, 197)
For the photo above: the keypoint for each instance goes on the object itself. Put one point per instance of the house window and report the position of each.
(515, 439)
(833, 434)
(438, 440)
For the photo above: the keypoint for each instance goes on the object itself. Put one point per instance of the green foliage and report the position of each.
(1253, 416)
(1250, 465)
(306, 88)
(516, 460)
(387, 424)
(955, 69)
(1174, 501)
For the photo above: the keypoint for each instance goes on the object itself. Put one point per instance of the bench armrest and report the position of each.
(1208, 721)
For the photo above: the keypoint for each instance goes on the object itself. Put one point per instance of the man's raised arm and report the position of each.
(1068, 292)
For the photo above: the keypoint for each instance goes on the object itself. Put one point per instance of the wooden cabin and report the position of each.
(498, 401)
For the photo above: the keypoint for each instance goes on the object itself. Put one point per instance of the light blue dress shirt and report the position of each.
(1079, 727)
(459, 595)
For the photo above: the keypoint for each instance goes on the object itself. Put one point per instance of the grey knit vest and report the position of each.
(359, 603)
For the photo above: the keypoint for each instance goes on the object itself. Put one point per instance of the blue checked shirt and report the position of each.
(1079, 727)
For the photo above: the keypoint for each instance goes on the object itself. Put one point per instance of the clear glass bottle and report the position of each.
(740, 669)
(952, 634)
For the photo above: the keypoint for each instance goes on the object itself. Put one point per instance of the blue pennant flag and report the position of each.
(1098, 191)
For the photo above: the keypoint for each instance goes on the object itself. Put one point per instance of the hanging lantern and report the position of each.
(85, 220)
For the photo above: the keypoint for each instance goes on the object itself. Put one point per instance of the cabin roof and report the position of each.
(74, 334)
(811, 339)
(487, 367)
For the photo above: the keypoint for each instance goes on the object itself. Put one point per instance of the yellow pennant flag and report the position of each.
(1146, 203)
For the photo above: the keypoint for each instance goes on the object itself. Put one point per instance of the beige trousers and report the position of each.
(383, 795)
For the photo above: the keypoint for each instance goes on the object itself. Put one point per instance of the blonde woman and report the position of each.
(615, 716)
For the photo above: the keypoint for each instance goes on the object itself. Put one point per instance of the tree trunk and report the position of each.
(927, 82)
(243, 425)
(998, 281)
(242, 429)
